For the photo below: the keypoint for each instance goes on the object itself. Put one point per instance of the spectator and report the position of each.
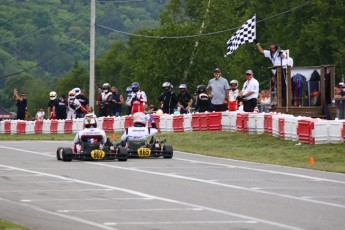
(138, 98)
(40, 114)
(129, 98)
(61, 107)
(168, 99)
(202, 100)
(184, 99)
(51, 105)
(73, 105)
(340, 98)
(84, 101)
(218, 89)
(278, 58)
(250, 92)
(233, 94)
(116, 102)
(104, 101)
(21, 104)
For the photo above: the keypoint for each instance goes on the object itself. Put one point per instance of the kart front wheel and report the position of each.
(168, 151)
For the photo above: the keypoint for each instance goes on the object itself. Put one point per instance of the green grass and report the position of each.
(5, 225)
(240, 146)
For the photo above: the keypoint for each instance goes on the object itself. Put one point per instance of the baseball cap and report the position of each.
(217, 70)
(249, 72)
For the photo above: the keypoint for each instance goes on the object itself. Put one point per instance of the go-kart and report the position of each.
(93, 151)
(154, 148)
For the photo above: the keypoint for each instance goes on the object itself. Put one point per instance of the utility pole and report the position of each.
(92, 55)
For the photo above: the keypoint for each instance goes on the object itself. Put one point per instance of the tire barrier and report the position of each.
(284, 126)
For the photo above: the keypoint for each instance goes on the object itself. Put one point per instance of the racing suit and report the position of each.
(73, 105)
(138, 133)
(232, 104)
(90, 135)
(137, 101)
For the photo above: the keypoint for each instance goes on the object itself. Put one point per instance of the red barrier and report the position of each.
(108, 124)
(242, 122)
(304, 131)
(7, 127)
(281, 127)
(214, 121)
(21, 127)
(54, 126)
(196, 121)
(38, 126)
(268, 123)
(203, 121)
(67, 128)
(343, 131)
(178, 123)
(128, 122)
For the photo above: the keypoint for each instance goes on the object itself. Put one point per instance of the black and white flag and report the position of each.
(246, 33)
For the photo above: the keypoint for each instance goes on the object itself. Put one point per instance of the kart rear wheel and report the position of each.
(67, 154)
(123, 154)
(58, 153)
(168, 151)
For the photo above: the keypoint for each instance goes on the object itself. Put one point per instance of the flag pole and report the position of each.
(92, 55)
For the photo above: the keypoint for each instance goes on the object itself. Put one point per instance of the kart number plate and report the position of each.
(144, 152)
(97, 154)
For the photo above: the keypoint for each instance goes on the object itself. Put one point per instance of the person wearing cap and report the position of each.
(218, 89)
(250, 92)
(339, 97)
(21, 104)
(61, 106)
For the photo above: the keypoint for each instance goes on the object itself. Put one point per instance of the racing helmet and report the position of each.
(135, 87)
(182, 88)
(128, 89)
(139, 119)
(71, 94)
(52, 95)
(77, 91)
(166, 86)
(90, 121)
(106, 87)
(234, 84)
(201, 89)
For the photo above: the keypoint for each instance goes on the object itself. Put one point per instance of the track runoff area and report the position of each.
(189, 191)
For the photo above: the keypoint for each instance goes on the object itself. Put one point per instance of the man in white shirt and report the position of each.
(250, 92)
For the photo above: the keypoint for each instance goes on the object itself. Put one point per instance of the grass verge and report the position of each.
(240, 146)
(5, 225)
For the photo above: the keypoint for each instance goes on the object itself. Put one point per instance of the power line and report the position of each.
(49, 58)
(37, 31)
(198, 35)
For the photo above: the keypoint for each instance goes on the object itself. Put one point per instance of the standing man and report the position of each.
(168, 99)
(138, 98)
(250, 92)
(185, 100)
(278, 58)
(218, 89)
(104, 101)
(84, 101)
(21, 104)
(116, 102)
(51, 113)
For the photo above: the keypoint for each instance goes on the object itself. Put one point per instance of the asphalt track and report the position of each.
(186, 192)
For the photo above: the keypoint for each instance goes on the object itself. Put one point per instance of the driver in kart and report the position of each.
(139, 131)
(90, 133)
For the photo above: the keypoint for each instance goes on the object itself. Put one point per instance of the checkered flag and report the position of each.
(246, 33)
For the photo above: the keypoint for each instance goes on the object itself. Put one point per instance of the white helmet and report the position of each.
(71, 94)
(106, 87)
(234, 82)
(90, 121)
(77, 91)
(52, 95)
(183, 86)
(139, 119)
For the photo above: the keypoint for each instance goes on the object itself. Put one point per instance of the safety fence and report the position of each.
(287, 127)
